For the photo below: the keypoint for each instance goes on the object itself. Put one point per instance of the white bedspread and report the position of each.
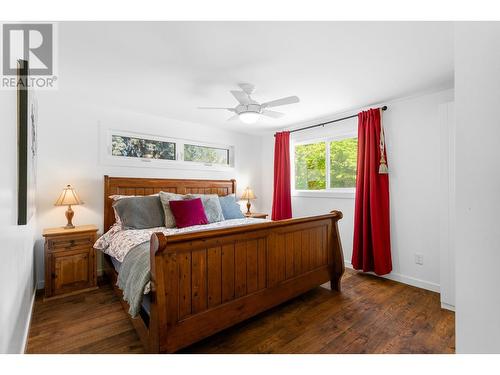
(118, 242)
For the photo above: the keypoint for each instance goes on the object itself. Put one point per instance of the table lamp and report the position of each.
(68, 198)
(248, 194)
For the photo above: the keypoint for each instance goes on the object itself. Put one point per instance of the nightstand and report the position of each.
(257, 215)
(70, 261)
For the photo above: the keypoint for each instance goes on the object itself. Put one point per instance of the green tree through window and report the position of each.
(343, 159)
(204, 154)
(142, 148)
(311, 165)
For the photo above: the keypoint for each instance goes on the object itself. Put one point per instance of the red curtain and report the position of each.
(282, 199)
(372, 244)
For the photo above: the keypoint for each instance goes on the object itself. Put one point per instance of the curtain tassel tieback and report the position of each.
(382, 169)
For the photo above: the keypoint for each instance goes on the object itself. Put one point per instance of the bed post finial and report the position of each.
(338, 214)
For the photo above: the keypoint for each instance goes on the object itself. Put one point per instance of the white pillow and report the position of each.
(211, 205)
(165, 199)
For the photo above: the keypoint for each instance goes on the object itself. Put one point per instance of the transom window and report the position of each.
(133, 148)
(326, 164)
(206, 154)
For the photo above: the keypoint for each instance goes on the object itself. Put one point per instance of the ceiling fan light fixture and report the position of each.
(248, 110)
(249, 117)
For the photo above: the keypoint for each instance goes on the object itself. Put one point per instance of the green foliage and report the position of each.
(142, 148)
(310, 165)
(343, 159)
(204, 154)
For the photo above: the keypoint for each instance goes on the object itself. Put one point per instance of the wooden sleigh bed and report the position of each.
(204, 282)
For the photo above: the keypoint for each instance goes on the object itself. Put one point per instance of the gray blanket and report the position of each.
(134, 275)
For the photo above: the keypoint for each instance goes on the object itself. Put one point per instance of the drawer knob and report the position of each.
(72, 243)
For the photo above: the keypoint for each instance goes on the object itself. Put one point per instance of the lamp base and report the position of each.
(69, 216)
(248, 207)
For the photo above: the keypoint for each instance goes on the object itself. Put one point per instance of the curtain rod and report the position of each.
(330, 122)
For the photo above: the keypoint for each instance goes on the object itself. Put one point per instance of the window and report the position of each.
(310, 166)
(133, 147)
(143, 150)
(343, 159)
(205, 154)
(326, 165)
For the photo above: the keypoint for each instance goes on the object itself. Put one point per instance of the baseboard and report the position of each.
(447, 306)
(28, 324)
(419, 283)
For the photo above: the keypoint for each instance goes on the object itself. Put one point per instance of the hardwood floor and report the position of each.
(371, 315)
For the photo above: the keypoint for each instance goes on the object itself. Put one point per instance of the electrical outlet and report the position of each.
(419, 258)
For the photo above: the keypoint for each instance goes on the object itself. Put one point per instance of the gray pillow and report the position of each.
(165, 199)
(117, 197)
(230, 209)
(211, 205)
(140, 212)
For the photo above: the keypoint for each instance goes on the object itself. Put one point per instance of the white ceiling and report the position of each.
(171, 68)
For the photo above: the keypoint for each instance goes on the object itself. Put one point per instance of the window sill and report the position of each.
(117, 161)
(337, 194)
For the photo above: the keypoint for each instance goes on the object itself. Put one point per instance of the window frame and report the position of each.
(179, 162)
(342, 193)
(207, 145)
(148, 137)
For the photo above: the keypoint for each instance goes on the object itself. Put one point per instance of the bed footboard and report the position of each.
(204, 282)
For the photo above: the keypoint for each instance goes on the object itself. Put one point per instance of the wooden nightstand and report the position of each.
(70, 261)
(257, 215)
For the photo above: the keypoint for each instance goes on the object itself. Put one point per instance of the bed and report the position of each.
(205, 281)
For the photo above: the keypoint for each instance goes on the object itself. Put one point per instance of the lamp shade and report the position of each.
(68, 197)
(248, 194)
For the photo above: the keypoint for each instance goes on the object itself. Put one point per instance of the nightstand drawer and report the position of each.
(66, 242)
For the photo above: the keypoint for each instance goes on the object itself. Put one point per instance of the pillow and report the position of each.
(230, 209)
(117, 197)
(140, 212)
(165, 199)
(211, 205)
(188, 212)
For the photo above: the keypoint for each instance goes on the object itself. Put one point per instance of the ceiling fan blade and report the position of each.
(229, 109)
(241, 97)
(272, 114)
(232, 118)
(282, 101)
(247, 87)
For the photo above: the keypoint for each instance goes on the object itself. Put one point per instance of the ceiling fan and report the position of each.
(248, 110)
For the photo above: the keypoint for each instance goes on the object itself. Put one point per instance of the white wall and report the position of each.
(412, 132)
(477, 77)
(447, 207)
(16, 250)
(70, 147)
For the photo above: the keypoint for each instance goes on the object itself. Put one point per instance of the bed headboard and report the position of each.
(147, 186)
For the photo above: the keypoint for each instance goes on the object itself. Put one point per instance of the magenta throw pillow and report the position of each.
(188, 212)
